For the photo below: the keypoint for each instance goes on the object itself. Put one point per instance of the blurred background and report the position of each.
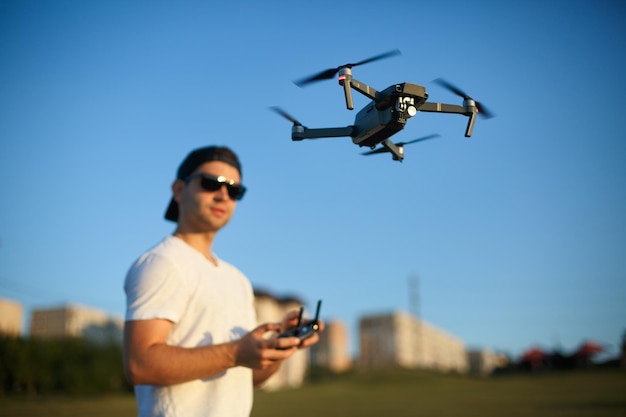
(510, 240)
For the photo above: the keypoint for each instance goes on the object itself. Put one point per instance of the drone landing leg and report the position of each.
(397, 152)
(345, 76)
(470, 125)
(348, 93)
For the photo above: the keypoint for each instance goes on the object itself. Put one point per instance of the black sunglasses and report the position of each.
(212, 183)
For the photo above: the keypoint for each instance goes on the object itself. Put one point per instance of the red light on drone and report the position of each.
(342, 77)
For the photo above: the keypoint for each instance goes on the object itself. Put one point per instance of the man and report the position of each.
(191, 347)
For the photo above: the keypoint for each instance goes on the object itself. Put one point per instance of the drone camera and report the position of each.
(406, 106)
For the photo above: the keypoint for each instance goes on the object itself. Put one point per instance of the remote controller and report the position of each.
(304, 330)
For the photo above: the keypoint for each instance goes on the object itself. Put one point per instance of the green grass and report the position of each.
(414, 393)
(593, 393)
(120, 406)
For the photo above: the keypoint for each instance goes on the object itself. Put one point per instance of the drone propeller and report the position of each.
(286, 115)
(482, 110)
(399, 144)
(331, 72)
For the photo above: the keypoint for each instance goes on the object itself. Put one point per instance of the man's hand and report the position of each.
(255, 350)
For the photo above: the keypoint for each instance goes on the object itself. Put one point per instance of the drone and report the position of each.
(386, 114)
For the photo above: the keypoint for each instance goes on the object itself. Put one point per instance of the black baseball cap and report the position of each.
(193, 161)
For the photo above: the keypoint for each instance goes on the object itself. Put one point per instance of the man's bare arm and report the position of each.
(149, 360)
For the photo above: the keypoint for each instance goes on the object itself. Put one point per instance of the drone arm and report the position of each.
(364, 89)
(469, 111)
(346, 80)
(330, 132)
(443, 108)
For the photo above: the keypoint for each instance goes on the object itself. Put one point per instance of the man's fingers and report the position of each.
(282, 343)
(310, 341)
(266, 327)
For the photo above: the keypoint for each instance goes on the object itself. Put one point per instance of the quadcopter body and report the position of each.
(382, 118)
(386, 114)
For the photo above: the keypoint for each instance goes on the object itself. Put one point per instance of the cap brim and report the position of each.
(172, 211)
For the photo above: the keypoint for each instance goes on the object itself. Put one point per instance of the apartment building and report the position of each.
(11, 316)
(484, 362)
(332, 350)
(73, 320)
(400, 339)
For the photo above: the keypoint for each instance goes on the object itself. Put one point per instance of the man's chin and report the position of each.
(216, 224)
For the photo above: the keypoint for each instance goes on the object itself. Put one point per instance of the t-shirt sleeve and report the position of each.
(155, 289)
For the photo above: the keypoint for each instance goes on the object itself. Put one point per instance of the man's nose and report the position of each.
(223, 192)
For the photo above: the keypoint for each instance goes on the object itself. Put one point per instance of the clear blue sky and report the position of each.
(517, 235)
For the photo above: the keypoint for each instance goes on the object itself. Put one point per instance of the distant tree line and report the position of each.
(67, 366)
(537, 359)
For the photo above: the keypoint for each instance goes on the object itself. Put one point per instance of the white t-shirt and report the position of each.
(208, 304)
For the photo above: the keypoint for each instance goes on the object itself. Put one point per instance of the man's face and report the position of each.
(201, 210)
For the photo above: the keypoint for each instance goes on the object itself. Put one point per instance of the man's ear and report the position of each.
(177, 190)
